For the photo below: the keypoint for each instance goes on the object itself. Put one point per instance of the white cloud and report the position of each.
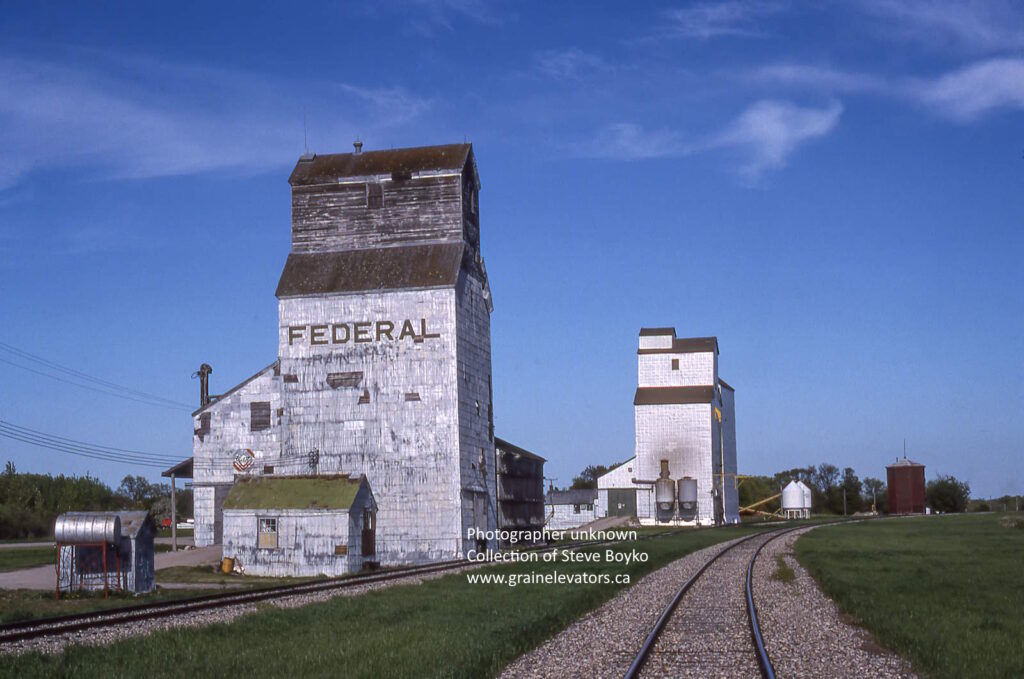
(769, 131)
(964, 94)
(568, 64)
(819, 77)
(986, 25)
(716, 19)
(183, 120)
(765, 135)
(968, 93)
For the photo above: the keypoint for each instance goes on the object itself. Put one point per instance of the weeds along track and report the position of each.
(13, 633)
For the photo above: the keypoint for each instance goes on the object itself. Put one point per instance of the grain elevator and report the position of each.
(384, 354)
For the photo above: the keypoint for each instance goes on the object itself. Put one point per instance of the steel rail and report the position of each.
(54, 626)
(763, 661)
(659, 626)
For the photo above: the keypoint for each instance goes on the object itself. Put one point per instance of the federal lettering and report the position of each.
(360, 332)
(318, 334)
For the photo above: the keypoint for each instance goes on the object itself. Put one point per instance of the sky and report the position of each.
(834, 190)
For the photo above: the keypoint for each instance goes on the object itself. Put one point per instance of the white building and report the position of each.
(568, 509)
(685, 428)
(384, 354)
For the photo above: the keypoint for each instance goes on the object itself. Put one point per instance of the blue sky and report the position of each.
(834, 190)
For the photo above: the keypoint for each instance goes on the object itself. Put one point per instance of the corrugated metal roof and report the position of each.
(580, 496)
(411, 266)
(294, 492)
(654, 396)
(327, 168)
(504, 445)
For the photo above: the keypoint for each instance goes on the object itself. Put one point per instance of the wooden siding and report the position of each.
(336, 217)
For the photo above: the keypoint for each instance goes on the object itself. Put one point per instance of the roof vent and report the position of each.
(358, 146)
(306, 157)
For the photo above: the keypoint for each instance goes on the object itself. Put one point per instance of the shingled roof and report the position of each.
(331, 167)
(410, 266)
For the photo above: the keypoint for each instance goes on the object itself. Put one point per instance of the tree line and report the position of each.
(30, 503)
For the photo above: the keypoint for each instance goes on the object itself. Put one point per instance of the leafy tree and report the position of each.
(946, 494)
(875, 493)
(588, 477)
(29, 503)
(756, 488)
(852, 488)
(825, 477)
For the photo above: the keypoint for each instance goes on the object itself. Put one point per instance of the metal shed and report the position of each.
(105, 551)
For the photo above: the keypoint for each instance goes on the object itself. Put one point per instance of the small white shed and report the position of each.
(301, 526)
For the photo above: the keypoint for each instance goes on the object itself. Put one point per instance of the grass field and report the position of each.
(25, 557)
(946, 592)
(30, 604)
(445, 627)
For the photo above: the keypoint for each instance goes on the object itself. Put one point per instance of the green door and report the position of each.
(621, 502)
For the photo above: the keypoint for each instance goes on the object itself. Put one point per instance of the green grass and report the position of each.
(14, 559)
(946, 592)
(783, 572)
(441, 628)
(182, 533)
(207, 575)
(30, 604)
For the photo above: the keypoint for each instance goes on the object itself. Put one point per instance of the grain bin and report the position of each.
(793, 502)
(665, 494)
(807, 495)
(688, 494)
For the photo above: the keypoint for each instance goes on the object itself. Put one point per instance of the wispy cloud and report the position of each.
(769, 131)
(820, 77)
(629, 141)
(765, 135)
(178, 119)
(429, 17)
(970, 92)
(965, 94)
(986, 25)
(568, 64)
(707, 20)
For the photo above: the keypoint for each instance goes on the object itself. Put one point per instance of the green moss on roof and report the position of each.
(321, 492)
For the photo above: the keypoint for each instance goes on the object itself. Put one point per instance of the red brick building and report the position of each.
(905, 482)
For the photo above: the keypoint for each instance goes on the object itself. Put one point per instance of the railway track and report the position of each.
(716, 632)
(57, 626)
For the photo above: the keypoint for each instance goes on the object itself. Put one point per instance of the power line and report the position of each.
(93, 383)
(82, 449)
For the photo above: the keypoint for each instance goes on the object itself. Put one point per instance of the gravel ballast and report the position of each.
(805, 633)
(604, 642)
